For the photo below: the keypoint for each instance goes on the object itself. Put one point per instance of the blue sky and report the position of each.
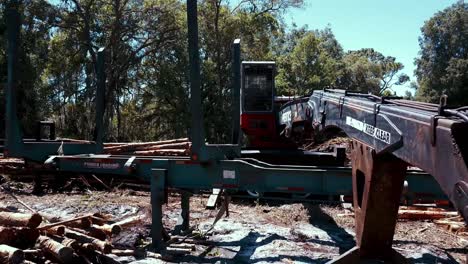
(390, 27)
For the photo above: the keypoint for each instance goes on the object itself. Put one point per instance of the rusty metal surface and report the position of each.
(427, 136)
(377, 187)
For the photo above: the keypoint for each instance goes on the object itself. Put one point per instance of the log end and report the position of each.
(11, 255)
(35, 220)
(116, 229)
(65, 254)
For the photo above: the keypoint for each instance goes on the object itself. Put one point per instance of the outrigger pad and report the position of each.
(353, 256)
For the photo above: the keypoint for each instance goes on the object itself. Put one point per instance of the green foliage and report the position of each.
(147, 87)
(310, 60)
(370, 71)
(443, 63)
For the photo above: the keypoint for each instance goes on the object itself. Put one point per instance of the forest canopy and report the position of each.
(147, 62)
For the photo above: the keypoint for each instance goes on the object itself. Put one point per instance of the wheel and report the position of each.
(254, 193)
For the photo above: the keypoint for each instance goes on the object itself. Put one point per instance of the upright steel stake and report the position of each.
(197, 124)
(236, 79)
(183, 223)
(100, 99)
(158, 182)
(12, 132)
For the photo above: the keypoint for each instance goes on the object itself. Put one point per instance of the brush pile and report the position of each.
(25, 238)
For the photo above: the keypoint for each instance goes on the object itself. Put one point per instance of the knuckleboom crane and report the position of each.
(389, 134)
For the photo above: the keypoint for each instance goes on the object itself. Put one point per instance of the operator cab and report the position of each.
(258, 116)
(258, 86)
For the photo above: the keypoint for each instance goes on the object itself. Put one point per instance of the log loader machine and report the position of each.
(388, 134)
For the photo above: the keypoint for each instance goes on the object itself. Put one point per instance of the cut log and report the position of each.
(163, 152)
(11, 161)
(130, 221)
(102, 246)
(82, 223)
(184, 245)
(427, 214)
(93, 232)
(56, 230)
(25, 237)
(109, 230)
(75, 140)
(68, 242)
(7, 234)
(64, 222)
(11, 255)
(20, 219)
(417, 214)
(150, 254)
(130, 147)
(178, 251)
(453, 226)
(57, 250)
(96, 220)
(183, 145)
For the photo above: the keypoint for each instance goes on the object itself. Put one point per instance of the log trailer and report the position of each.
(388, 133)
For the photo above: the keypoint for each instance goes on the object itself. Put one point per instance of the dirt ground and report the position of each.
(255, 232)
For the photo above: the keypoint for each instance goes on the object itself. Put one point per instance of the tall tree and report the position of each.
(314, 62)
(370, 71)
(443, 63)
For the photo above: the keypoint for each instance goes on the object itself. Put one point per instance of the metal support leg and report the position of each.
(183, 223)
(227, 200)
(38, 188)
(377, 188)
(157, 200)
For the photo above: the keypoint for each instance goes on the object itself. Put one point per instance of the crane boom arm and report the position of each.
(428, 136)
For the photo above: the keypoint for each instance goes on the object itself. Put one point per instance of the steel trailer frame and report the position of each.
(209, 166)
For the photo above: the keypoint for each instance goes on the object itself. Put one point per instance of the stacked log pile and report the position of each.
(24, 238)
(9, 165)
(173, 147)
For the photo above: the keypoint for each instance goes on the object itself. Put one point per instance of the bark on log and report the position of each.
(183, 145)
(102, 246)
(163, 152)
(93, 232)
(68, 242)
(75, 140)
(7, 235)
(64, 222)
(421, 215)
(82, 223)
(57, 230)
(11, 255)
(129, 147)
(57, 250)
(20, 219)
(130, 221)
(178, 251)
(21, 237)
(109, 230)
(25, 237)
